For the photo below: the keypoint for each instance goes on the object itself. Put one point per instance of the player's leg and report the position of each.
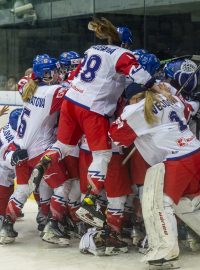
(68, 135)
(45, 193)
(7, 176)
(159, 220)
(95, 127)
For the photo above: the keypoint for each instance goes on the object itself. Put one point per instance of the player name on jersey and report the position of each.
(37, 102)
(104, 48)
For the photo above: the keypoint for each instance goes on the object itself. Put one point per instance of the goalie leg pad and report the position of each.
(161, 238)
(189, 212)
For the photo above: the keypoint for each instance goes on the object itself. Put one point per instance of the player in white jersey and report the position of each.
(91, 99)
(68, 63)
(36, 132)
(7, 172)
(177, 72)
(159, 131)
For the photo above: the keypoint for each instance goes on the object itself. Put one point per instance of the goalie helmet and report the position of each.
(180, 71)
(13, 118)
(125, 36)
(45, 67)
(92, 242)
(69, 60)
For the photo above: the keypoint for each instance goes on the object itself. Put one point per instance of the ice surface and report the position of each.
(29, 252)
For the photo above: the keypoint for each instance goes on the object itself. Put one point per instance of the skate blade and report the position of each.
(52, 239)
(6, 240)
(165, 266)
(85, 216)
(99, 252)
(115, 251)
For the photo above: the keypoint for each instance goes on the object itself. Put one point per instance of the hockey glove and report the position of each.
(18, 156)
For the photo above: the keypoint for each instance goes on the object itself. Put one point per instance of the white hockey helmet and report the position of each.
(92, 242)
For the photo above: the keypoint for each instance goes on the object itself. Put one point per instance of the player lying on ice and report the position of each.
(158, 128)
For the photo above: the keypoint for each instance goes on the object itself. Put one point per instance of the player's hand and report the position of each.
(19, 156)
(4, 110)
(161, 88)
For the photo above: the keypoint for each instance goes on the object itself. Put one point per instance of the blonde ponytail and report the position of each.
(29, 90)
(104, 29)
(150, 98)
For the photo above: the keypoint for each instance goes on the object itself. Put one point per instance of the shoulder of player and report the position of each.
(50, 90)
(132, 109)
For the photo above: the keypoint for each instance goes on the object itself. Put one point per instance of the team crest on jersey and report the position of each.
(61, 93)
(119, 122)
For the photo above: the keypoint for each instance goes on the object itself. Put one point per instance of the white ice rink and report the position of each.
(30, 253)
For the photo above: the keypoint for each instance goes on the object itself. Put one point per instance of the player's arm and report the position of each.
(129, 66)
(57, 100)
(14, 155)
(121, 133)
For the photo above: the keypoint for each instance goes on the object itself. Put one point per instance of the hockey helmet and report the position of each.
(92, 242)
(13, 118)
(125, 35)
(180, 71)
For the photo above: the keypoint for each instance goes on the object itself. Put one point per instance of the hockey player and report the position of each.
(7, 172)
(177, 72)
(88, 104)
(117, 187)
(68, 63)
(148, 122)
(42, 99)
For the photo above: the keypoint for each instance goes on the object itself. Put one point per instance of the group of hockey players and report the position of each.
(109, 147)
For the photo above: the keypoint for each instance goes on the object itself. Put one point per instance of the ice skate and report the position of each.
(75, 229)
(143, 245)
(136, 234)
(54, 233)
(41, 221)
(114, 245)
(163, 264)
(90, 212)
(190, 241)
(7, 233)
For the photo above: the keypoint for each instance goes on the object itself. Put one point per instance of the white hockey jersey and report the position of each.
(169, 138)
(7, 172)
(38, 119)
(102, 78)
(7, 135)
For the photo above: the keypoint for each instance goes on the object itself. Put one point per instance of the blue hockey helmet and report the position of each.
(181, 77)
(180, 71)
(42, 64)
(69, 58)
(139, 51)
(125, 35)
(13, 118)
(149, 62)
(184, 65)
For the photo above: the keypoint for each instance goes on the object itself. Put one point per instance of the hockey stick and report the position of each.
(191, 57)
(128, 156)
